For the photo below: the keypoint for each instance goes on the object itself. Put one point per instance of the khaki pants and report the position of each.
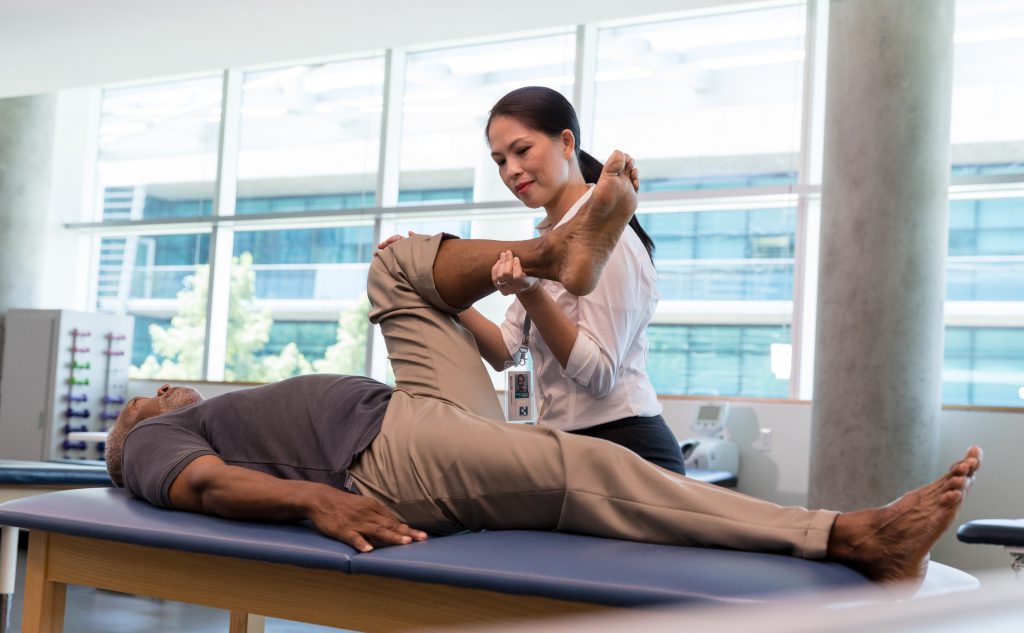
(445, 461)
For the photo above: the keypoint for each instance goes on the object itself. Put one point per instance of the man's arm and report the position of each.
(210, 486)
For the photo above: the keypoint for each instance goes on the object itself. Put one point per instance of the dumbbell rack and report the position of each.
(63, 379)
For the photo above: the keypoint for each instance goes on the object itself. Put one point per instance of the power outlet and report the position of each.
(764, 441)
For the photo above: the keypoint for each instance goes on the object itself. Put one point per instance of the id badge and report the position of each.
(520, 403)
(519, 399)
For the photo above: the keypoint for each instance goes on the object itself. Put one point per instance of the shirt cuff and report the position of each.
(583, 359)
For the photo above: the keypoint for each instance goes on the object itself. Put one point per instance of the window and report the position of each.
(313, 280)
(986, 250)
(158, 150)
(310, 137)
(448, 95)
(985, 302)
(984, 363)
(988, 88)
(726, 284)
(161, 279)
(714, 105)
(709, 102)
(724, 255)
(716, 360)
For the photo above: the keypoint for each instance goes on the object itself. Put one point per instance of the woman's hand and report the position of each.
(391, 240)
(508, 276)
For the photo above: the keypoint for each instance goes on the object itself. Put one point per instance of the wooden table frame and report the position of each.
(252, 589)
(9, 541)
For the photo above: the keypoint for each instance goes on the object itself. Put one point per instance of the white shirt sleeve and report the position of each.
(608, 320)
(512, 327)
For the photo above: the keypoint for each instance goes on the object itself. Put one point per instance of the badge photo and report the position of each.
(519, 396)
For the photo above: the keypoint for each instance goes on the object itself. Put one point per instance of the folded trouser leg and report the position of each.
(443, 470)
(431, 353)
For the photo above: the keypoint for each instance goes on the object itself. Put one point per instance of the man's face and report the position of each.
(167, 399)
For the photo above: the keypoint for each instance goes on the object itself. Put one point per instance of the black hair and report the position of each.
(547, 111)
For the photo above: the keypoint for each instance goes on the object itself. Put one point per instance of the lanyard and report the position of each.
(519, 397)
(524, 346)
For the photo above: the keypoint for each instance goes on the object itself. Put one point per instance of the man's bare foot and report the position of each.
(590, 237)
(891, 544)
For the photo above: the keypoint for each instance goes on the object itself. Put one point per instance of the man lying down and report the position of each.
(371, 465)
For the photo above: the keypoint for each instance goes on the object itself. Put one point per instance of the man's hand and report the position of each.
(359, 521)
(210, 486)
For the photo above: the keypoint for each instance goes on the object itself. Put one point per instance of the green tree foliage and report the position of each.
(348, 354)
(181, 344)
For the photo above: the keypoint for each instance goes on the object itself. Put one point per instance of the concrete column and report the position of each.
(27, 128)
(878, 347)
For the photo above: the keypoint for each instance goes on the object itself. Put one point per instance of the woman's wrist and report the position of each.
(529, 291)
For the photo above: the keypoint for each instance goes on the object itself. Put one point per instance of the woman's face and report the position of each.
(534, 166)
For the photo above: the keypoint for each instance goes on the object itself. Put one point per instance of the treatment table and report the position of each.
(104, 538)
(27, 478)
(19, 479)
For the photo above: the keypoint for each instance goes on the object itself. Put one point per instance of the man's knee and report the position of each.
(381, 282)
(405, 258)
(379, 268)
(400, 277)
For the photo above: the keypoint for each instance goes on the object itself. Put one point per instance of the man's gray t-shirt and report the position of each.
(308, 427)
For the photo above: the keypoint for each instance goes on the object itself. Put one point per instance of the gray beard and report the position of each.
(179, 398)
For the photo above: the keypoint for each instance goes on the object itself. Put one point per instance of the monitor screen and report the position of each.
(708, 412)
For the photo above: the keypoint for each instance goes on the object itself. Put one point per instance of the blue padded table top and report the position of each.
(605, 571)
(1006, 532)
(53, 473)
(563, 566)
(113, 514)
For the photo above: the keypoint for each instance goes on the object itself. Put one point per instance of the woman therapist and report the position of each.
(589, 353)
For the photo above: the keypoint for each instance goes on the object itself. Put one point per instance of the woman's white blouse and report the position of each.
(606, 376)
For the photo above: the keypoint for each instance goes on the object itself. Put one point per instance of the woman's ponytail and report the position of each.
(589, 166)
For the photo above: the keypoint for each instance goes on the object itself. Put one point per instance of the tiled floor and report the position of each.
(95, 611)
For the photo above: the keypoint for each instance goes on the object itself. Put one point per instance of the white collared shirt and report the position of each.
(606, 376)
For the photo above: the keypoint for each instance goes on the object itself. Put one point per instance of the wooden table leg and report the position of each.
(242, 622)
(8, 570)
(44, 599)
